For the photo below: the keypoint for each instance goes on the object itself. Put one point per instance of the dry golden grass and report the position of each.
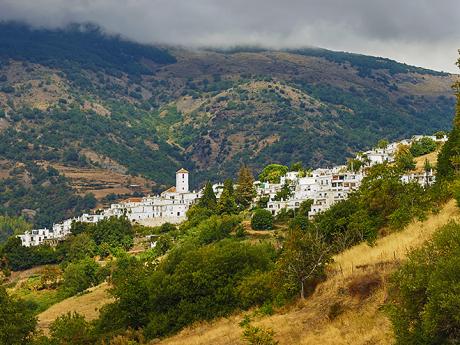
(420, 161)
(361, 320)
(87, 305)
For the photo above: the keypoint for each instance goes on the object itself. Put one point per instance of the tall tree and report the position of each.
(449, 158)
(404, 158)
(226, 203)
(303, 260)
(208, 200)
(245, 191)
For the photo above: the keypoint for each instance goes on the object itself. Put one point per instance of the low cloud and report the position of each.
(419, 32)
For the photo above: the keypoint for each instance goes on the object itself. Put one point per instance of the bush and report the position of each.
(17, 321)
(255, 289)
(425, 292)
(71, 328)
(423, 146)
(262, 220)
(216, 228)
(79, 276)
(259, 336)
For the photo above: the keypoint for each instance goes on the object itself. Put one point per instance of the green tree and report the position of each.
(81, 246)
(79, 276)
(382, 144)
(71, 329)
(18, 323)
(297, 166)
(423, 146)
(262, 220)
(303, 260)
(190, 284)
(273, 172)
(245, 191)
(447, 167)
(227, 203)
(354, 164)
(12, 226)
(208, 200)
(113, 231)
(404, 158)
(285, 192)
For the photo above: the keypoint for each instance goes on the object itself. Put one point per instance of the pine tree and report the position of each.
(227, 203)
(208, 200)
(228, 184)
(245, 191)
(449, 158)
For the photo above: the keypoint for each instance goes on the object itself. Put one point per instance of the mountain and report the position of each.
(79, 99)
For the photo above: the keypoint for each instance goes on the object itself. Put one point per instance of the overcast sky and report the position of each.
(419, 32)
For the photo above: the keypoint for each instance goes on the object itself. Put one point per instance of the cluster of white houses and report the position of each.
(170, 206)
(324, 187)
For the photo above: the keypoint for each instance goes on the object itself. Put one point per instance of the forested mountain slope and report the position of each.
(79, 98)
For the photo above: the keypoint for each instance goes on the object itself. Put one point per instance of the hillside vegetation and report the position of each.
(80, 100)
(345, 309)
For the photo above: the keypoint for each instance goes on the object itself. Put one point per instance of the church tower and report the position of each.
(182, 181)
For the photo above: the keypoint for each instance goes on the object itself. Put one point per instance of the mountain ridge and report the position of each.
(79, 98)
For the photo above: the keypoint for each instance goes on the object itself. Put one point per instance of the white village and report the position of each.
(323, 186)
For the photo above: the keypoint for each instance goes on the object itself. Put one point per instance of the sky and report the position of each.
(424, 33)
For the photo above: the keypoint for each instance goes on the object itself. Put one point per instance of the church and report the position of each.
(170, 206)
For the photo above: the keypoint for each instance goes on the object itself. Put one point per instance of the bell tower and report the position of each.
(182, 181)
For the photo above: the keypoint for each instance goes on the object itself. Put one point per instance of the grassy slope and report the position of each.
(362, 321)
(87, 305)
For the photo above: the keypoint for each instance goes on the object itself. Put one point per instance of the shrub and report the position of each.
(425, 291)
(255, 289)
(262, 220)
(216, 228)
(71, 328)
(80, 275)
(259, 336)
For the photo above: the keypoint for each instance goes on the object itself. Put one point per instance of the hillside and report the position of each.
(86, 103)
(346, 308)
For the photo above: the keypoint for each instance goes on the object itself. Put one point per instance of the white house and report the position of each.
(170, 206)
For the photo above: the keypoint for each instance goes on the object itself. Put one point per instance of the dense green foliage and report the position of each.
(113, 232)
(81, 275)
(16, 257)
(425, 292)
(71, 329)
(12, 226)
(48, 195)
(449, 157)
(77, 47)
(245, 191)
(423, 146)
(191, 284)
(272, 173)
(262, 220)
(17, 323)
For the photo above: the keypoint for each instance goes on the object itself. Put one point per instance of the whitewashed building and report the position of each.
(170, 206)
